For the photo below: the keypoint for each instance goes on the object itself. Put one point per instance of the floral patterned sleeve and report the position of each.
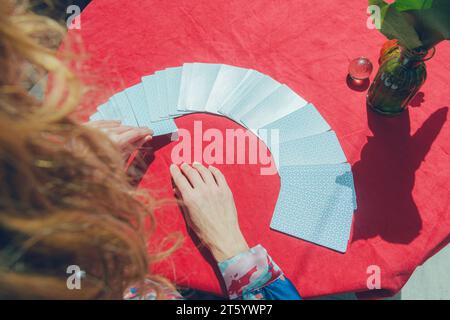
(252, 275)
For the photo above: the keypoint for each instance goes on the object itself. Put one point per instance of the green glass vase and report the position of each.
(398, 80)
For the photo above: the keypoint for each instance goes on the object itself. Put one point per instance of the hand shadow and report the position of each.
(145, 156)
(385, 176)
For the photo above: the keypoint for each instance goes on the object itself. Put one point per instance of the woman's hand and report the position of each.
(211, 211)
(127, 138)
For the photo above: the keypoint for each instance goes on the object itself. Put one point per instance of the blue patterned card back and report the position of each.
(323, 148)
(316, 204)
(301, 123)
(138, 102)
(120, 100)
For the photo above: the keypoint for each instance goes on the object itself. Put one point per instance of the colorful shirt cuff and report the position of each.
(249, 271)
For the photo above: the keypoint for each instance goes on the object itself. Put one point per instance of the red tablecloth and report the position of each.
(400, 165)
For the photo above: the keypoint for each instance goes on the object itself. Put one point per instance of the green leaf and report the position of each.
(415, 23)
(396, 26)
(434, 20)
(379, 3)
(403, 5)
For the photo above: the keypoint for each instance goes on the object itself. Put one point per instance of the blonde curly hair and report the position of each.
(65, 198)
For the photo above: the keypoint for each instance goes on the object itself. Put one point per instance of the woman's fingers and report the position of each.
(139, 143)
(218, 176)
(209, 210)
(134, 135)
(127, 138)
(206, 175)
(198, 175)
(104, 124)
(119, 129)
(115, 131)
(180, 180)
(193, 176)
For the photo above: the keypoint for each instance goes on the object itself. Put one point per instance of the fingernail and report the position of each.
(148, 138)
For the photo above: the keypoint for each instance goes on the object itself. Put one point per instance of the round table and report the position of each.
(400, 165)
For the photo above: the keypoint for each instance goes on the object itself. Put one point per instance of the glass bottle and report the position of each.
(398, 80)
(390, 48)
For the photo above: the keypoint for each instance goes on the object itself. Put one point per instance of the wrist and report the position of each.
(228, 249)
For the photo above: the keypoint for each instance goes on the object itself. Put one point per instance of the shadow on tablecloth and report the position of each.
(385, 176)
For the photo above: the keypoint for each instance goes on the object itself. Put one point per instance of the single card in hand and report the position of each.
(316, 204)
